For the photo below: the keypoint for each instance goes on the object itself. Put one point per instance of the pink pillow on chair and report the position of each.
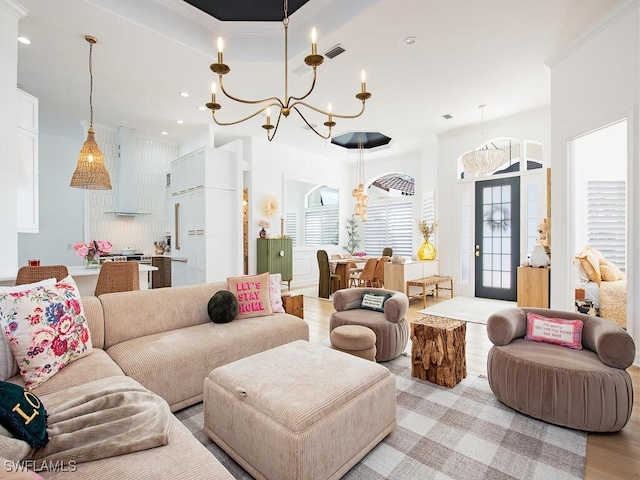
(558, 331)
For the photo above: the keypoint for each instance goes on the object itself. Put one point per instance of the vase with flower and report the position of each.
(263, 224)
(427, 250)
(91, 251)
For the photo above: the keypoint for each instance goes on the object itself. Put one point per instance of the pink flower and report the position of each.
(74, 305)
(104, 246)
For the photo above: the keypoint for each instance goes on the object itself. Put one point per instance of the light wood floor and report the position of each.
(610, 456)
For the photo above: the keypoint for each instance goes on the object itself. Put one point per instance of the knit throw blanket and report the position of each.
(105, 418)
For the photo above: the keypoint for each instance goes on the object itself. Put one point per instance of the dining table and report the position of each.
(343, 267)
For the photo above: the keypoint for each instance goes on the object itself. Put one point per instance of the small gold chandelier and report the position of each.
(90, 171)
(291, 103)
(362, 200)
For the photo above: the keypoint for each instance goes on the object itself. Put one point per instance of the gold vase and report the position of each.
(427, 251)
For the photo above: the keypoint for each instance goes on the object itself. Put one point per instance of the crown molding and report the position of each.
(14, 8)
(610, 18)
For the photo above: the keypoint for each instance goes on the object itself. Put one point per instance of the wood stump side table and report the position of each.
(293, 303)
(438, 352)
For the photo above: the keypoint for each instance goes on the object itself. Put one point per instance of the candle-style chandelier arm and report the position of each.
(313, 85)
(257, 112)
(326, 112)
(251, 102)
(314, 129)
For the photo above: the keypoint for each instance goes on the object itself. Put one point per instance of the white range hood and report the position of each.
(126, 188)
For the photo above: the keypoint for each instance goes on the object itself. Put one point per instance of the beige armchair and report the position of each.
(586, 389)
(390, 326)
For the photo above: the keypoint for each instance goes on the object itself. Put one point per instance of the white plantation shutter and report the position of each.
(429, 211)
(606, 219)
(389, 224)
(291, 227)
(321, 225)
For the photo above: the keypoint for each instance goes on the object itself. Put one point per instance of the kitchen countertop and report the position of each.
(79, 271)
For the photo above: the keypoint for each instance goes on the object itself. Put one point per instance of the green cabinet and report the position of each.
(275, 255)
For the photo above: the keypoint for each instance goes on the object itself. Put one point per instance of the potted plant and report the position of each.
(353, 235)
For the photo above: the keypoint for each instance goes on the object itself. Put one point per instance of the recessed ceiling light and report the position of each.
(410, 41)
(201, 108)
(180, 121)
(165, 133)
(184, 94)
(24, 40)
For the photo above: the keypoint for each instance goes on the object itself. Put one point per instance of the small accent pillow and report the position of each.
(46, 329)
(566, 333)
(275, 293)
(252, 292)
(374, 301)
(590, 263)
(610, 271)
(223, 307)
(23, 414)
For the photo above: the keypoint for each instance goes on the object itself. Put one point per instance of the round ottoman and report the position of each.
(356, 340)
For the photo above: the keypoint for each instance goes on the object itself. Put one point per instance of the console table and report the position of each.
(396, 275)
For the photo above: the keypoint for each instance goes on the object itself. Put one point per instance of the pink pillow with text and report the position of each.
(558, 331)
(252, 292)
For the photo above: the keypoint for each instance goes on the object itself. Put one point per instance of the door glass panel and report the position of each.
(497, 236)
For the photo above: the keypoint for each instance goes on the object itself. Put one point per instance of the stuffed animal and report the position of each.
(538, 257)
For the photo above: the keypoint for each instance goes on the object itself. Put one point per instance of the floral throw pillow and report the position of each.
(46, 329)
(275, 293)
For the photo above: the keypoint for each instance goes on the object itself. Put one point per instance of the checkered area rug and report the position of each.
(460, 433)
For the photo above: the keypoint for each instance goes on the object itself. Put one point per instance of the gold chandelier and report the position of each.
(90, 171)
(362, 200)
(485, 159)
(291, 103)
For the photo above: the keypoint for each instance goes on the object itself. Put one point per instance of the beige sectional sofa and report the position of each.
(164, 340)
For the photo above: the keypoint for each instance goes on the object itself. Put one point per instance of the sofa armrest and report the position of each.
(396, 307)
(612, 343)
(506, 325)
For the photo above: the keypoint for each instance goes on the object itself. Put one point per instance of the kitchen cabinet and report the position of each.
(533, 287)
(162, 277)
(27, 163)
(206, 197)
(275, 255)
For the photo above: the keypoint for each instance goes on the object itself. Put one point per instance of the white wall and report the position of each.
(594, 83)
(451, 145)
(10, 13)
(61, 207)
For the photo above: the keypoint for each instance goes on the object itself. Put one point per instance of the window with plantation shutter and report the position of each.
(291, 228)
(321, 225)
(389, 224)
(429, 211)
(606, 219)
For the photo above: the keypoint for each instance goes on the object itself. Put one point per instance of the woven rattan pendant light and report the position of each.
(90, 172)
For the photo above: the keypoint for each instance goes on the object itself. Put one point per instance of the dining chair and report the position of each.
(118, 277)
(365, 278)
(387, 252)
(29, 274)
(378, 275)
(332, 265)
(327, 279)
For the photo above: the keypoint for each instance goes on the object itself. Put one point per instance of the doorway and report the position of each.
(497, 238)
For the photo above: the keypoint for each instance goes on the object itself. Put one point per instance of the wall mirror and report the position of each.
(311, 213)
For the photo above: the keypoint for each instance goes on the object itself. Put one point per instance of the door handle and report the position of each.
(477, 250)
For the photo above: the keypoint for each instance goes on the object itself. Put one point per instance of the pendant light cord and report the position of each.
(91, 85)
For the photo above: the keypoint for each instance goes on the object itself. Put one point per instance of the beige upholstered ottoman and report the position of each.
(299, 411)
(356, 340)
